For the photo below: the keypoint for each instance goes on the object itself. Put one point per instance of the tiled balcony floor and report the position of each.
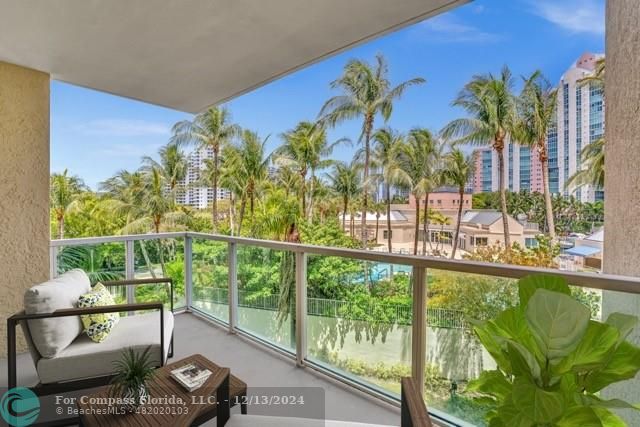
(258, 367)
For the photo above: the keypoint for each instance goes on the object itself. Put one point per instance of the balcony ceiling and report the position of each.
(190, 54)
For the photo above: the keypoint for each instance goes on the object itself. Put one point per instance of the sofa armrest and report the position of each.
(413, 410)
(118, 308)
(12, 323)
(141, 282)
(137, 282)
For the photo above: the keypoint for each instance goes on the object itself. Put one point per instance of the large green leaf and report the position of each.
(608, 418)
(527, 286)
(492, 383)
(558, 322)
(624, 323)
(623, 364)
(511, 416)
(523, 362)
(512, 325)
(592, 400)
(487, 335)
(592, 351)
(534, 403)
(584, 416)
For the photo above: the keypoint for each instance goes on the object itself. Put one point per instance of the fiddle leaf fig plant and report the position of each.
(553, 360)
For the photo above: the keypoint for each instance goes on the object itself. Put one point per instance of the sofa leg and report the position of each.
(12, 368)
(170, 352)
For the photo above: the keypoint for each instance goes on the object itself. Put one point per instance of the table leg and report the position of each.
(222, 398)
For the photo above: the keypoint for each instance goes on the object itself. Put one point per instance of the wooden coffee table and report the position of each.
(221, 391)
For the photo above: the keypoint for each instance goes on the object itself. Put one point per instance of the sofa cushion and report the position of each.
(267, 421)
(85, 358)
(98, 326)
(51, 336)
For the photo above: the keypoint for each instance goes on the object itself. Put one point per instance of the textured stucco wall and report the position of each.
(622, 184)
(24, 187)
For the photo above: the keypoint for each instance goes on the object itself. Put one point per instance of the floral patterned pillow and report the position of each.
(98, 326)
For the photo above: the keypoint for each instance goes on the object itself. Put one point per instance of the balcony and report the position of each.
(230, 313)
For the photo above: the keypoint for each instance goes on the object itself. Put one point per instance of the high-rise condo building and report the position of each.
(193, 193)
(579, 121)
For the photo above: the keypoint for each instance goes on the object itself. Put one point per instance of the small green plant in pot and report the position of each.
(553, 360)
(133, 371)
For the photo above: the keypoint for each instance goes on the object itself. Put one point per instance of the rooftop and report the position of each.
(484, 217)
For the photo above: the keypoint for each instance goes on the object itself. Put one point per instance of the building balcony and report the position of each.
(229, 310)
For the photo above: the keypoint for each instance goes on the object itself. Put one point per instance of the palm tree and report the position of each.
(432, 173)
(345, 180)
(142, 197)
(457, 171)
(598, 76)
(245, 170)
(305, 148)
(367, 92)
(232, 178)
(441, 220)
(592, 171)
(288, 179)
(418, 159)
(537, 105)
(172, 166)
(211, 129)
(386, 159)
(490, 102)
(326, 204)
(64, 194)
(378, 208)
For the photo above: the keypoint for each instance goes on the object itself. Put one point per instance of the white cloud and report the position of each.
(576, 16)
(128, 151)
(122, 127)
(449, 29)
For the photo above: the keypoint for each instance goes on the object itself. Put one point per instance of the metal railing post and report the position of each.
(301, 308)
(53, 262)
(129, 257)
(233, 286)
(188, 271)
(419, 327)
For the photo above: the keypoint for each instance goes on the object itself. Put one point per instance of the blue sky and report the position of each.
(95, 134)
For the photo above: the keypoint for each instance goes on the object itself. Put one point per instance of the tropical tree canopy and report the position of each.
(366, 93)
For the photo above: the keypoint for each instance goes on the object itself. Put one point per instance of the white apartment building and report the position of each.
(193, 194)
(580, 121)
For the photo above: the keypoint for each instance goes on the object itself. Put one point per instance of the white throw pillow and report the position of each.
(51, 336)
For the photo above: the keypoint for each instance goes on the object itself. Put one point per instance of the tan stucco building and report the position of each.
(444, 198)
(479, 228)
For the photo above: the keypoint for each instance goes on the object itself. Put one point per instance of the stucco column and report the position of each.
(622, 182)
(24, 187)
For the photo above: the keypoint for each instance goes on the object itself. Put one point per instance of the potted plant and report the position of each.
(553, 360)
(133, 371)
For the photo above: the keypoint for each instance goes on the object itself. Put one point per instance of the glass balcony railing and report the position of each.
(354, 326)
(365, 318)
(160, 258)
(266, 286)
(210, 278)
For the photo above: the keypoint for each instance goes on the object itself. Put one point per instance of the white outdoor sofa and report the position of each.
(64, 356)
